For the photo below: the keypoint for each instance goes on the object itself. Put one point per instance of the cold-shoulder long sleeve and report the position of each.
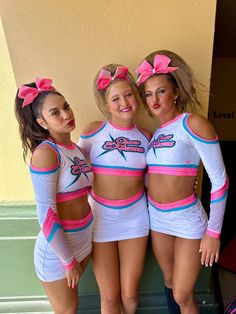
(44, 184)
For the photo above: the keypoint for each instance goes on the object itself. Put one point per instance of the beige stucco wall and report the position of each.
(70, 40)
(14, 181)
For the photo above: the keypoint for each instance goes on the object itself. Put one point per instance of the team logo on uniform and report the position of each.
(162, 141)
(78, 168)
(122, 145)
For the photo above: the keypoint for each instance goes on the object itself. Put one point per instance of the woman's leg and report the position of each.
(186, 269)
(163, 249)
(64, 300)
(105, 261)
(132, 255)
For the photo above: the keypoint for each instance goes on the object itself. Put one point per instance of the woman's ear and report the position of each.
(42, 123)
(176, 93)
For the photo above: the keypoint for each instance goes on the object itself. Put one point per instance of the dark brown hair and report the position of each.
(31, 133)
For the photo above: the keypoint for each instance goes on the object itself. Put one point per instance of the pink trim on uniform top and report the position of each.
(63, 197)
(71, 264)
(173, 171)
(79, 223)
(95, 130)
(217, 194)
(212, 233)
(121, 172)
(121, 128)
(123, 202)
(186, 201)
(169, 122)
(70, 147)
(202, 138)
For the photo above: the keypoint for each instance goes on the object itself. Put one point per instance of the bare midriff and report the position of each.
(117, 187)
(74, 209)
(167, 188)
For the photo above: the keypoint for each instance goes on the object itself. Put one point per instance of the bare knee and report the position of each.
(110, 303)
(129, 302)
(183, 298)
(70, 309)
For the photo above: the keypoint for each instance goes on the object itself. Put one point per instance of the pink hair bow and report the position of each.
(30, 93)
(145, 70)
(105, 78)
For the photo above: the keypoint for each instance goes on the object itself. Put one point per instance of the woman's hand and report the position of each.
(73, 275)
(209, 248)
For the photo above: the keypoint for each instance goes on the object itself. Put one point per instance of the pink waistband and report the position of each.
(174, 171)
(63, 197)
(117, 203)
(181, 204)
(119, 172)
(75, 225)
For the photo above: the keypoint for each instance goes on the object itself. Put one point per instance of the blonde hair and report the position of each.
(100, 95)
(182, 78)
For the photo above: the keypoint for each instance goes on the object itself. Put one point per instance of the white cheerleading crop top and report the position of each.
(71, 178)
(176, 150)
(116, 151)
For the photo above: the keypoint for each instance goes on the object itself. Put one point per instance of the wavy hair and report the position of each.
(182, 78)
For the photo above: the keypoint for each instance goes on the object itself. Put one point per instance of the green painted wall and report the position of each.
(20, 290)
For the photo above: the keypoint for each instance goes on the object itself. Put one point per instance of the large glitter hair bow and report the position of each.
(160, 66)
(105, 78)
(30, 93)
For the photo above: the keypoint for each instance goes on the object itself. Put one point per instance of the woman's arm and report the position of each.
(44, 169)
(206, 142)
